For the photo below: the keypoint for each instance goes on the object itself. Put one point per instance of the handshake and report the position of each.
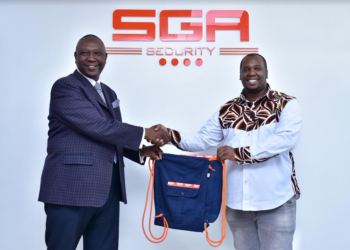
(158, 135)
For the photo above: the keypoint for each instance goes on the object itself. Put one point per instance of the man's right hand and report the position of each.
(158, 137)
(160, 126)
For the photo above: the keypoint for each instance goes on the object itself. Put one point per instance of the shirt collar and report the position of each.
(92, 81)
(268, 94)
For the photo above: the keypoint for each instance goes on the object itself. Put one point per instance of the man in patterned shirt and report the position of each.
(259, 130)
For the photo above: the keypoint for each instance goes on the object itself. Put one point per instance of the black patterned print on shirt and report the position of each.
(241, 114)
(294, 178)
(242, 156)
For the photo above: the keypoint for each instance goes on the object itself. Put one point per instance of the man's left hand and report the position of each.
(225, 153)
(154, 152)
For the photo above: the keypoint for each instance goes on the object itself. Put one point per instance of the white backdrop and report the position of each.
(305, 43)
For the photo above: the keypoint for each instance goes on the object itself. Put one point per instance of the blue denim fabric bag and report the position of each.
(188, 193)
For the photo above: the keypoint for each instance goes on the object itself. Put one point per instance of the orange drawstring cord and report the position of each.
(223, 209)
(166, 227)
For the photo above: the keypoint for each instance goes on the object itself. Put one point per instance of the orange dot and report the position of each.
(174, 62)
(187, 62)
(162, 61)
(199, 62)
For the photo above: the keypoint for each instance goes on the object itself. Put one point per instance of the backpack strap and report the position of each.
(166, 227)
(223, 210)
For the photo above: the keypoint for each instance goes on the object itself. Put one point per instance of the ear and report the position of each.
(75, 56)
(267, 74)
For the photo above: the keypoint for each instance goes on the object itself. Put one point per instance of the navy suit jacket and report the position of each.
(84, 134)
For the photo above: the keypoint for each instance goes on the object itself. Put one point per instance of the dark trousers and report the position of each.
(99, 226)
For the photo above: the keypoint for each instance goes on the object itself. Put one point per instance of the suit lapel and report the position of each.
(108, 100)
(91, 91)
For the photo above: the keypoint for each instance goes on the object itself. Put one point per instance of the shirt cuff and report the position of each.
(142, 158)
(243, 156)
(175, 138)
(143, 137)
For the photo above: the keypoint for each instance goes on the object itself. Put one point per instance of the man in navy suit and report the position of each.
(83, 176)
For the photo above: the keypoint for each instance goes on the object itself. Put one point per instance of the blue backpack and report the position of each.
(188, 194)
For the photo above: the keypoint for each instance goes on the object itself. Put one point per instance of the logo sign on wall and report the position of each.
(165, 52)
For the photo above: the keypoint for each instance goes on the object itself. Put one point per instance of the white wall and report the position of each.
(305, 43)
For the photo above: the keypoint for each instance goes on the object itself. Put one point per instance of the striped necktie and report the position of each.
(99, 91)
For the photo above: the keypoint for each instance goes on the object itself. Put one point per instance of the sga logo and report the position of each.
(196, 27)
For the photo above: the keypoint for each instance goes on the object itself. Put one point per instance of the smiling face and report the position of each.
(90, 57)
(253, 75)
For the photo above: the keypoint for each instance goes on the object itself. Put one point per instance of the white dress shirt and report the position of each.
(263, 135)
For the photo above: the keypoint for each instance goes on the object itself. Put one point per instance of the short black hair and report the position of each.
(88, 36)
(254, 54)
